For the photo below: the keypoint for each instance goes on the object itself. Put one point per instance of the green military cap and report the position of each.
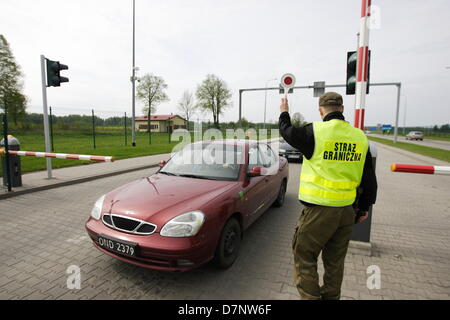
(330, 99)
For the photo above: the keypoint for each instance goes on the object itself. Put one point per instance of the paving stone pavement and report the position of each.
(42, 234)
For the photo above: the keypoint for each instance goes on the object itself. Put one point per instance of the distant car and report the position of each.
(190, 212)
(414, 135)
(289, 152)
(367, 132)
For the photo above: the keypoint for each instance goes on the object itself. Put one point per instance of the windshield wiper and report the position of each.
(193, 176)
(169, 173)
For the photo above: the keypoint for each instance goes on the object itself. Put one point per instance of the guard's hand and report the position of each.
(284, 106)
(362, 215)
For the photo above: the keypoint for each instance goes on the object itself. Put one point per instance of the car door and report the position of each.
(254, 188)
(275, 176)
(271, 164)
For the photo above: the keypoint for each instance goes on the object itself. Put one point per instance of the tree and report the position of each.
(151, 90)
(213, 96)
(243, 123)
(187, 105)
(11, 84)
(297, 119)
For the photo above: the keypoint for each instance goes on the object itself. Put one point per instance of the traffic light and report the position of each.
(54, 78)
(350, 84)
(282, 90)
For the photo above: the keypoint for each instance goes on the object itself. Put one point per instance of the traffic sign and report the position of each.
(319, 88)
(287, 82)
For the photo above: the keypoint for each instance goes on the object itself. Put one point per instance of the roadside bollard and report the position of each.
(14, 162)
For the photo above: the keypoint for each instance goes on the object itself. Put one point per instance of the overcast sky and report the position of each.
(244, 42)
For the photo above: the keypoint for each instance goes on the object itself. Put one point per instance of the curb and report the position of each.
(74, 181)
(360, 248)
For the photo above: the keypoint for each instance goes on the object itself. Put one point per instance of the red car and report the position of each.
(190, 211)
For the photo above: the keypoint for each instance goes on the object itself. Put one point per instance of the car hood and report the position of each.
(160, 197)
(287, 146)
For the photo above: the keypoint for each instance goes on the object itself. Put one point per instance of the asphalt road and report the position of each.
(440, 144)
(42, 234)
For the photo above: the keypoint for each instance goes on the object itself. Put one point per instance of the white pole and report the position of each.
(265, 103)
(46, 125)
(404, 116)
(265, 100)
(399, 86)
(133, 79)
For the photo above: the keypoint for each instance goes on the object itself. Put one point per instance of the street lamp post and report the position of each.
(133, 87)
(265, 100)
(404, 116)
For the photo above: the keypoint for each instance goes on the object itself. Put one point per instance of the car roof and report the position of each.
(239, 142)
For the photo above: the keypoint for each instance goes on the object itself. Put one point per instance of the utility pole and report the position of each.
(404, 116)
(133, 86)
(149, 117)
(265, 100)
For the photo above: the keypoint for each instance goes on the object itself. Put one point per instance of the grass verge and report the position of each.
(435, 153)
(108, 143)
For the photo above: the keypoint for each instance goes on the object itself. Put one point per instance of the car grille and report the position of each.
(130, 225)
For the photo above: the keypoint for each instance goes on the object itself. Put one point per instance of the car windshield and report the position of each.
(213, 161)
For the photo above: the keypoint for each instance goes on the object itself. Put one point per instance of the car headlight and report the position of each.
(97, 209)
(282, 150)
(184, 225)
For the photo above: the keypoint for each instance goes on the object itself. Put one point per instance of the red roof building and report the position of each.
(160, 123)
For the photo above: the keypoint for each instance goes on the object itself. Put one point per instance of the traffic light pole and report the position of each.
(46, 124)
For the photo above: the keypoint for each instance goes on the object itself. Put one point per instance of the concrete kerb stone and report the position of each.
(360, 248)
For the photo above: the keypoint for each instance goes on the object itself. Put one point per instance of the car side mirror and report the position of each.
(162, 163)
(255, 172)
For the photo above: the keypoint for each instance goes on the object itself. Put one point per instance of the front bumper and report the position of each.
(155, 251)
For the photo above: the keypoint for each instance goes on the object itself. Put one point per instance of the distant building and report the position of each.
(160, 123)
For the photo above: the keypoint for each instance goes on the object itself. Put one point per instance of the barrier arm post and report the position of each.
(362, 64)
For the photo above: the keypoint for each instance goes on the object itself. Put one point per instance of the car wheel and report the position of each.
(229, 244)
(281, 195)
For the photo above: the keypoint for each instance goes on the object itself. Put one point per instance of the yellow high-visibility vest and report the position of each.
(332, 175)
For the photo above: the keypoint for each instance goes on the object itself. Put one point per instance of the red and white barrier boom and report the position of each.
(413, 168)
(61, 156)
(362, 64)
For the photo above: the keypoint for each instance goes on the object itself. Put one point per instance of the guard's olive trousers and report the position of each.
(327, 230)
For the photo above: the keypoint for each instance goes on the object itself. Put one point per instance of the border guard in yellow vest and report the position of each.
(336, 162)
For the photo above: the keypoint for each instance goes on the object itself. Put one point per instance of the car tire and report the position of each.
(281, 195)
(229, 244)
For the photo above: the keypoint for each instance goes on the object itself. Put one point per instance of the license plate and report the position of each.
(118, 246)
(293, 156)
